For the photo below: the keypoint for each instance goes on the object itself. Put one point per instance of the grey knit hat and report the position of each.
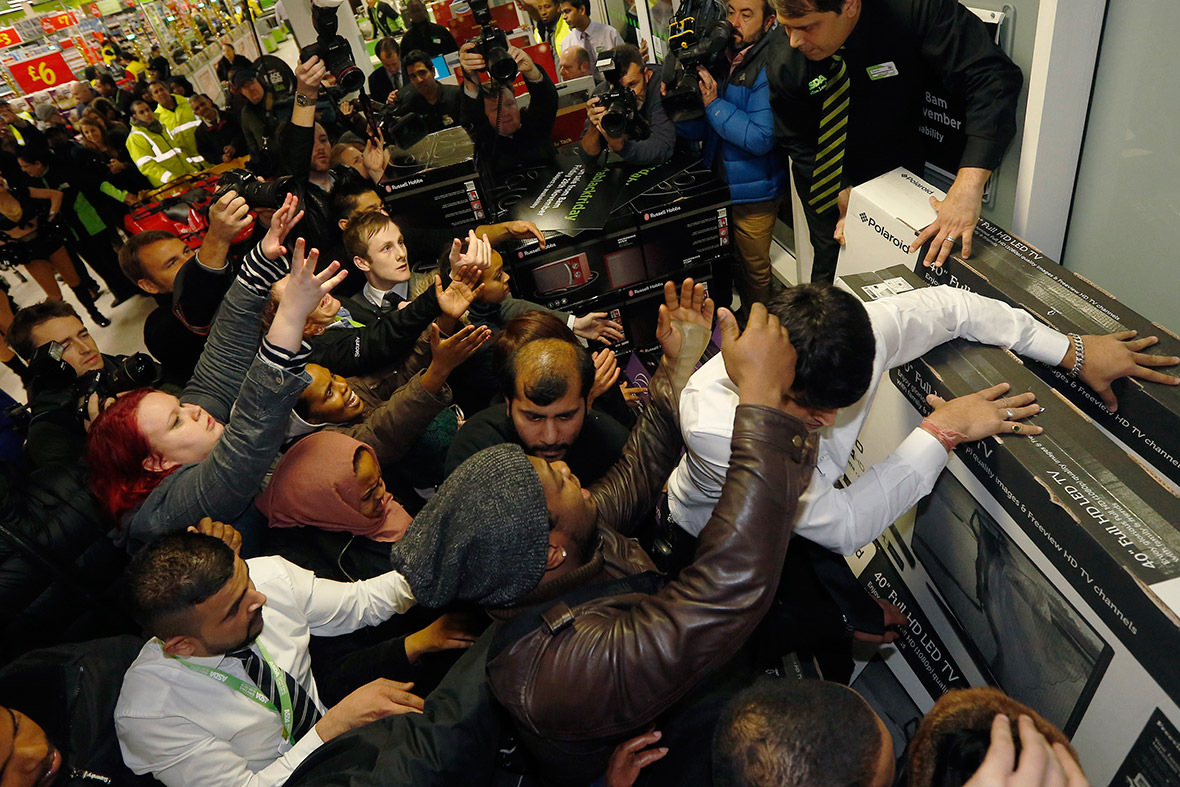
(483, 537)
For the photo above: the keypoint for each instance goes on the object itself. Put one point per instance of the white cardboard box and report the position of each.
(884, 216)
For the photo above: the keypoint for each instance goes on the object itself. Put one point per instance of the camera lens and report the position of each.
(350, 78)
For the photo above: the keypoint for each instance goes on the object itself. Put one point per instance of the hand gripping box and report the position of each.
(1003, 266)
(884, 216)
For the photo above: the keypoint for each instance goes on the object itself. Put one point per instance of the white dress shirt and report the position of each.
(377, 297)
(187, 729)
(595, 39)
(905, 327)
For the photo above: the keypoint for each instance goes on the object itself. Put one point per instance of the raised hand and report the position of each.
(596, 326)
(689, 306)
(463, 289)
(284, 219)
(450, 352)
(304, 291)
(985, 413)
(370, 702)
(309, 74)
(374, 157)
(1115, 355)
(479, 253)
(761, 360)
(228, 216)
(606, 372)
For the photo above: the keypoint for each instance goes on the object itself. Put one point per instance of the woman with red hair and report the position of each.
(158, 463)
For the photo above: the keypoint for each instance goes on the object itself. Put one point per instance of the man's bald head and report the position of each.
(544, 370)
(546, 383)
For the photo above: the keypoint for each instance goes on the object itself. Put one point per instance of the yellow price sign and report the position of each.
(9, 37)
(42, 72)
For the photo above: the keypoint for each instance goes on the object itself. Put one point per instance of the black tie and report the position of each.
(304, 713)
(391, 301)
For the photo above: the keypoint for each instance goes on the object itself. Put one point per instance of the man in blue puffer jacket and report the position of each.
(738, 129)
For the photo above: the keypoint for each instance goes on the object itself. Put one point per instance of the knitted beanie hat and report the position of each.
(483, 537)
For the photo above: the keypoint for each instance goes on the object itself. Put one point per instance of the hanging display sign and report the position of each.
(55, 22)
(10, 37)
(42, 72)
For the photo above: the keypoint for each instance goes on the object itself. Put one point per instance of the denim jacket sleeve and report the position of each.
(223, 484)
(233, 343)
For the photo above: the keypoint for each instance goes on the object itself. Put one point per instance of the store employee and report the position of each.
(848, 98)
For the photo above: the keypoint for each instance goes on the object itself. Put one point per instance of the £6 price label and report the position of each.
(42, 72)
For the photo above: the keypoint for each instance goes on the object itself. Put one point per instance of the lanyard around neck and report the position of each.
(249, 690)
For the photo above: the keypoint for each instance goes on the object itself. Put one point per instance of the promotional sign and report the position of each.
(42, 72)
(9, 37)
(94, 10)
(60, 21)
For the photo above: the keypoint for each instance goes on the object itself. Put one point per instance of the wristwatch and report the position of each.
(305, 101)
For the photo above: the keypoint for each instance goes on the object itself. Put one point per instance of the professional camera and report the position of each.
(493, 45)
(331, 47)
(53, 383)
(622, 116)
(697, 35)
(257, 193)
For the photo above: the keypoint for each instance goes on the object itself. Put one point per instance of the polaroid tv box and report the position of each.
(1105, 522)
(437, 180)
(884, 216)
(1005, 267)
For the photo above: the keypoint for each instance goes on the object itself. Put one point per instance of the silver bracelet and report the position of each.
(1079, 355)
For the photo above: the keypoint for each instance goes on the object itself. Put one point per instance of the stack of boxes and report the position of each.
(1046, 565)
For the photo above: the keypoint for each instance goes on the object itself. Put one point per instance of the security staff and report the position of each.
(848, 96)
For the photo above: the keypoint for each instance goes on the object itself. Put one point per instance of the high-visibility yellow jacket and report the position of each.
(182, 124)
(157, 156)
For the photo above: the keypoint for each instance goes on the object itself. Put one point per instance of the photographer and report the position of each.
(305, 152)
(506, 138)
(57, 390)
(629, 74)
(738, 129)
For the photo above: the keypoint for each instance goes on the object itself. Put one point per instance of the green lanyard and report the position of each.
(249, 690)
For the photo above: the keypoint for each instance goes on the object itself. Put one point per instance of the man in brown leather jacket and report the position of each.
(581, 668)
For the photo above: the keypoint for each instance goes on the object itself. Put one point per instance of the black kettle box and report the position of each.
(1005, 267)
(1106, 522)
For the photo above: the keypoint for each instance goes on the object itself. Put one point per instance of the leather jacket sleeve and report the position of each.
(394, 427)
(635, 655)
(630, 488)
(356, 351)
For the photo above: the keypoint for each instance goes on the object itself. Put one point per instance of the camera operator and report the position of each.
(187, 286)
(506, 138)
(63, 358)
(630, 73)
(305, 152)
(738, 129)
(438, 105)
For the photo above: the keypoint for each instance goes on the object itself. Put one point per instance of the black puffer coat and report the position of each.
(57, 566)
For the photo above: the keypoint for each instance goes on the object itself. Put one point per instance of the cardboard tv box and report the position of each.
(884, 216)
(1005, 267)
(1104, 521)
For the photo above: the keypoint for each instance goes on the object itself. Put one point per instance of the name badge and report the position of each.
(817, 85)
(882, 71)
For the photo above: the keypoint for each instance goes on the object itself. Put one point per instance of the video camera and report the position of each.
(493, 45)
(48, 373)
(697, 34)
(257, 193)
(331, 47)
(622, 116)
